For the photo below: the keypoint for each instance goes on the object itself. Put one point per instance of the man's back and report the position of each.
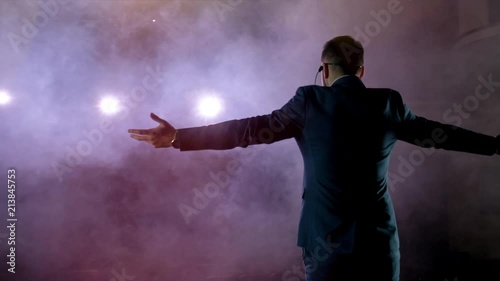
(348, 134)
(346, 142)
(346, 139)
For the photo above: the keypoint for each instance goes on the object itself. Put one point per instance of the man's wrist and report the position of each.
(175, 140)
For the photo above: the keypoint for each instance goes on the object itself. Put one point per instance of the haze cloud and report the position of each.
(92, 201)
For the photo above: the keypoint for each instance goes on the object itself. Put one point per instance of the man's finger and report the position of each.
(141, 138)
(156, 118)
(140, 131)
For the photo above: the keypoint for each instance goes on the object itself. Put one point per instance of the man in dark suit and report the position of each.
(345, 133)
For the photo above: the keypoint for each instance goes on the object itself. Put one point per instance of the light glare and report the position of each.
(109, 105)
(209, 106)
(4, 98)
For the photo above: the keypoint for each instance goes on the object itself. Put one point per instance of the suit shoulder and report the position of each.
(386, 91)
(390, 94)
(306, 91)
(395, 102)
(310, 90)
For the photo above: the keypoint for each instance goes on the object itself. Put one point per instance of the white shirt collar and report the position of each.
(339, 78)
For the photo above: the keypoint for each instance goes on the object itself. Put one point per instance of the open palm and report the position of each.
(161, 136)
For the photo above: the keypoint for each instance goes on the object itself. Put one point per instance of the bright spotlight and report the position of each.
(109, 105)
(209, 106)
(4, 98)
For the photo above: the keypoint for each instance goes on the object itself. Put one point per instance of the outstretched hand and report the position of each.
(161, 136)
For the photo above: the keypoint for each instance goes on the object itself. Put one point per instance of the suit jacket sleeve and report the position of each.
(283, 123)
(428, 133)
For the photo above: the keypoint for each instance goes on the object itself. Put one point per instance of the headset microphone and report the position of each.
(319, 70)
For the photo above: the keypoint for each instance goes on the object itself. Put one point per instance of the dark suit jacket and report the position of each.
(345, 133)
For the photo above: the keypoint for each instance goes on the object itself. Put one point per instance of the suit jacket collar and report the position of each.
(351, 81)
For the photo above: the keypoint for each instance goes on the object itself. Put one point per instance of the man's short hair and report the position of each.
(345, 52)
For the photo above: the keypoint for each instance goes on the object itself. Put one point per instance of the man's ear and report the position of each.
(326, 71)
(362, 71)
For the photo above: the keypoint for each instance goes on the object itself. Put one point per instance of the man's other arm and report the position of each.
(428, 133)
(283, 123)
